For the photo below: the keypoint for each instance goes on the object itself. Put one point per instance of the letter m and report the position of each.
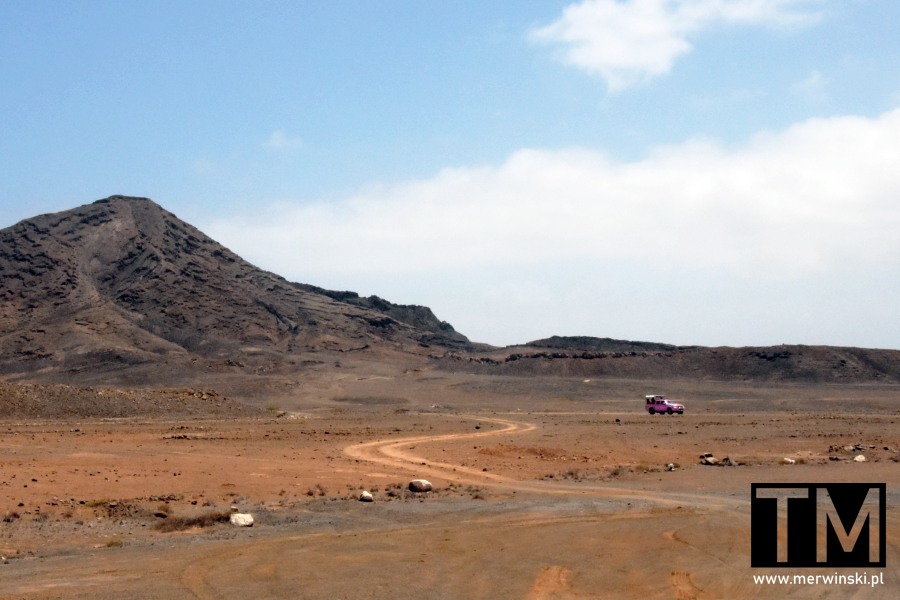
(827, 513)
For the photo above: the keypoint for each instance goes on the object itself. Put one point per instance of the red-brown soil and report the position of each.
(545, 487)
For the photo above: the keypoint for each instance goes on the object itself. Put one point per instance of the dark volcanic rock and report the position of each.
(593, 344)
(122, 282)
(612, 358)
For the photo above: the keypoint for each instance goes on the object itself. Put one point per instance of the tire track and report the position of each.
(390, 452)
(394, 453)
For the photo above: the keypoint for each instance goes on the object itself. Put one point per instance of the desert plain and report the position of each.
(544, 486)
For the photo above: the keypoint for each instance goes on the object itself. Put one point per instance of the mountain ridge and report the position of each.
(123, 281)
(121, 290)
(604, 357)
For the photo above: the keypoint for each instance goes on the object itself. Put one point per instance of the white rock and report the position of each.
(859, 458)
(788, 461)
(420, 485)
(241, 519)
(366, 497)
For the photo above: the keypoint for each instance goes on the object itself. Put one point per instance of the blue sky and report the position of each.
(695, 172)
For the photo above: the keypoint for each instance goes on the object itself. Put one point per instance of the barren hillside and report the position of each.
(596, 357)
(122, 283)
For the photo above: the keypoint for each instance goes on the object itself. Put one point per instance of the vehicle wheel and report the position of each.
(651, 411)
(680, 412)
(669, 411)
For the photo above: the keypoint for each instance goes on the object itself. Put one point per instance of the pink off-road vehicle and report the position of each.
(657, 403)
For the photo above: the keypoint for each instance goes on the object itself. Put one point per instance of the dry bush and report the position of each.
(642, 468)
(99, 502)
(208, 519)
(619, 471)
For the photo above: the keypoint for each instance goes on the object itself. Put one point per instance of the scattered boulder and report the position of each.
(670, 467)
(241, 519)
(859, 458)
(707, 458)
(366, 497)
(788, 461)
(420, 485)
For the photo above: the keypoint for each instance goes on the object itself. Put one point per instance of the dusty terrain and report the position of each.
(545, 487)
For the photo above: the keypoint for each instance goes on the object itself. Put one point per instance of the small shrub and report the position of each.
(99, 502)
(620, 471)
(181, 523)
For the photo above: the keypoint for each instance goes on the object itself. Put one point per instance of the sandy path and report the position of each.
(395, 453)
(390, 452)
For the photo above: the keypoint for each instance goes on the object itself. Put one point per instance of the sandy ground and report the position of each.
(544, 488)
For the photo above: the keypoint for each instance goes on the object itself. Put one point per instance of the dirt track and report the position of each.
(543, 503)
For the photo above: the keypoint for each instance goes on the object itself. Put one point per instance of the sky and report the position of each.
(712, 172)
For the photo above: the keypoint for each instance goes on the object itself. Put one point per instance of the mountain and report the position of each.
(604, 357)
(122, 283)
(121, 291)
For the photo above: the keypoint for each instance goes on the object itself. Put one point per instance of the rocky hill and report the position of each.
(594, 344)
(122, 283)
(603, 357)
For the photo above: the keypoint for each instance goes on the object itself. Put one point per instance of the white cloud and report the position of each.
(815, 201)
(280, 141)
(631, 41)
(817, 193)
